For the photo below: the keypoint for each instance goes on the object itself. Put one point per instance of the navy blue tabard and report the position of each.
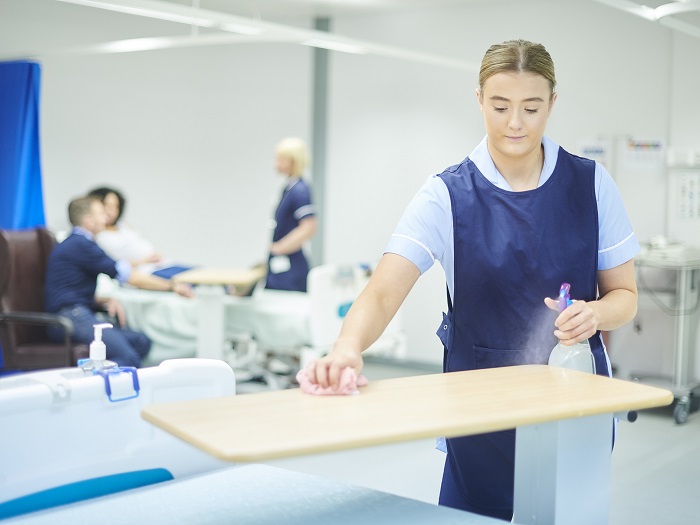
(511, 250)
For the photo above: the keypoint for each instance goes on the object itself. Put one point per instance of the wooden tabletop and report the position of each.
(221, 276)
(269, 425)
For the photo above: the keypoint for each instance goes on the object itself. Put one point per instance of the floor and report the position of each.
(655, 464)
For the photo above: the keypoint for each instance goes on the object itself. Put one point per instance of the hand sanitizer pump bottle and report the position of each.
(98, 353)
(575, 357)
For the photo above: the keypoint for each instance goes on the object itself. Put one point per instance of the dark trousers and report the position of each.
(125, 347)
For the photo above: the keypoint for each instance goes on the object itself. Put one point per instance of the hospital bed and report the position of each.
(269, 323)
(253, 494)
(272, 318)
(67, 437)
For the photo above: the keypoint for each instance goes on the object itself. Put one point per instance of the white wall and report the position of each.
(685, 129)
(188, 133)
(401, 123)
(685, 86)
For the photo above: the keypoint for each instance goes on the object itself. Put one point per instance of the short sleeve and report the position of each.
(423, 232)
(617, 242)
(301, 202)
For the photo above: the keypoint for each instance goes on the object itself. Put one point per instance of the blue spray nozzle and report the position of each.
(564, 298)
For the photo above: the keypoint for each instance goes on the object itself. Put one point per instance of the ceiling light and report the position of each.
(241, 29)
(675, 8)
(150, 13)
(661, 13)
(237, 29)
(334, 45)
(134, 44)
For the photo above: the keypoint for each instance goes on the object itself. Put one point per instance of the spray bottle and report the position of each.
(575, 357)
(98, 354)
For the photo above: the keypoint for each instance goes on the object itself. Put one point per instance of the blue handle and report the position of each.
(106, 374)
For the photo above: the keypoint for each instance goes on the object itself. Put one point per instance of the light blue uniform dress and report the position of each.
(503, 252)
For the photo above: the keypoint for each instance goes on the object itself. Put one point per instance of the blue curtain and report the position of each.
(21, 196)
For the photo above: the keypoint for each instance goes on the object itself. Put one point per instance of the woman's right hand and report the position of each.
(367, 318)
(326, 371)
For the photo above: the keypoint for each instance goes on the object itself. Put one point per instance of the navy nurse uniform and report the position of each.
(509, 250)
(289, 272)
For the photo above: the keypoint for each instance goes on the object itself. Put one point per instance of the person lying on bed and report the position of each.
(120, 241)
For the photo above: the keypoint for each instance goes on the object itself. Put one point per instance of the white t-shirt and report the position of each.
(124, 243)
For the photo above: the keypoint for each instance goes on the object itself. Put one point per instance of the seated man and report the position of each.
(71, 279)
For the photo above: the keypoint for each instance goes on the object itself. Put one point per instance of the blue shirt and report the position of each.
(425, 232)
(72, 270)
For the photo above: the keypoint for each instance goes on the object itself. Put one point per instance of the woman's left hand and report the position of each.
(576, 323)
(183, 289)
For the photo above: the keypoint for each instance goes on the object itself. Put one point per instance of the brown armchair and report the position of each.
(25, 346)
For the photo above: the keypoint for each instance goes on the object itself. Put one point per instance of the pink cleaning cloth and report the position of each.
(347, 385)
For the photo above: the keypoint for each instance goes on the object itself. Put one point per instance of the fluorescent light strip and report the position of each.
(175, 13)
(140, 11)
(134, 44)
(675, 8)
(240, 29)
(244, 27)
(334, 45)
(655, 14)
(155, 43)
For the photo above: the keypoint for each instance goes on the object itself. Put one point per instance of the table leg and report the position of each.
(210, 322)
(562, 471)
(684, 344)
